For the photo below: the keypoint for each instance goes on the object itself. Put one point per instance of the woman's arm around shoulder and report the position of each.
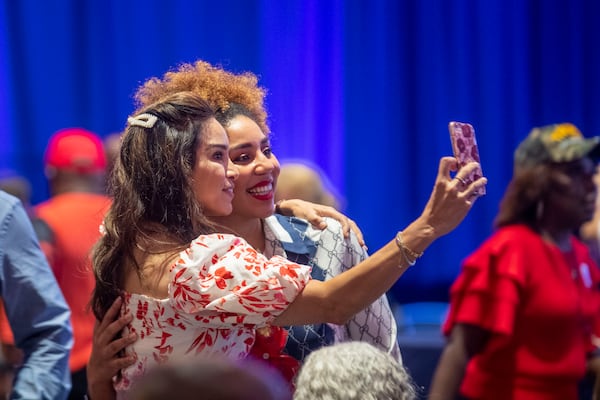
(316, 214)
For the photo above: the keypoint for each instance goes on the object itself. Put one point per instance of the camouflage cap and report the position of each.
(555, 143)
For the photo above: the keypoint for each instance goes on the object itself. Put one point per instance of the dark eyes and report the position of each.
(219, 155)
(242, 157)
(248, 157)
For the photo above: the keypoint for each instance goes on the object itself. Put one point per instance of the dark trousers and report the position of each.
(78, 385)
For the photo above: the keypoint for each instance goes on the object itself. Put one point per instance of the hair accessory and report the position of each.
(144, 120)
(102, 228)
(406, 251)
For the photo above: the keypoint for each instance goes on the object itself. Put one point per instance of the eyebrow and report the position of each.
(249, 145)
(211, 146)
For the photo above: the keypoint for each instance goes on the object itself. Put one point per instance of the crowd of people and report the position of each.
(179, 255)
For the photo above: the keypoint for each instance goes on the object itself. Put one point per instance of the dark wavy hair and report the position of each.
(154, 208)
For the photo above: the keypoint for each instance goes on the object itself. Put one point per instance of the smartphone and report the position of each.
(464, 146)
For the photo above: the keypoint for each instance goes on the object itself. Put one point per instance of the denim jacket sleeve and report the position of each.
(35, 307)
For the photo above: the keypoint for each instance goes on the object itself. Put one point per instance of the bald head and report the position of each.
(299, 181)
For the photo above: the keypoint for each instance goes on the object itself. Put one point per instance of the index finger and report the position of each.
(111, 325)
(447, 164)
(357, 232)
(111, 314)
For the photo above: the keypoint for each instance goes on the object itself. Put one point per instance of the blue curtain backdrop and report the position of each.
(365, 89)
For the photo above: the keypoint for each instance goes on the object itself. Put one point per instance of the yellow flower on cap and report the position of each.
(557, 143)
(563, 131)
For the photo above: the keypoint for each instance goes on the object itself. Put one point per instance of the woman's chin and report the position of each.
(222, 212)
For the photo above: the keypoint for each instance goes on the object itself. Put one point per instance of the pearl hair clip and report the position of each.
(144, 120)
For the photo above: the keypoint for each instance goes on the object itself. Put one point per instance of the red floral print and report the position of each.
(221, 290)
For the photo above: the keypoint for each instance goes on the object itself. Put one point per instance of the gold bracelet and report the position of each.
(404, 250)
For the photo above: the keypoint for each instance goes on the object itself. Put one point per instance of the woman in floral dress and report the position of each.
(193, 291)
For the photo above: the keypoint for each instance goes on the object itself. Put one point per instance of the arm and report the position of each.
(465, 342)
(378, 318)
(315, 214)
(375, 324)
(339, 298)
(106, 360)
(35, 307)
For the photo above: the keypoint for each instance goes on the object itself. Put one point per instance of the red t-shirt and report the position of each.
(75, 220)
(541, 307)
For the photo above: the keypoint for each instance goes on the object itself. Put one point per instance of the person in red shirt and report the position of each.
(525, 308)
(75, 164)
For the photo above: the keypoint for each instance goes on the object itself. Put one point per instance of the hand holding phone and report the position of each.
(464, 146)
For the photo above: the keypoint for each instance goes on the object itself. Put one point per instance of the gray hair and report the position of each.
(353, 371)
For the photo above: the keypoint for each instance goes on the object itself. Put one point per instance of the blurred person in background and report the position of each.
(16, 184)
(37, 313)
(353, 371)
(75, 164)
(19, 186)
(112, 144)
(304, 180)
(214, 378)
(524, 313)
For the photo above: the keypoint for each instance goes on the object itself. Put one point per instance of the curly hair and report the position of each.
(154, 207)
(353, 371)
(218, 87)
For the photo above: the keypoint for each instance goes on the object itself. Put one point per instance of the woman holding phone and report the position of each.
(525, 310)
(195, 292)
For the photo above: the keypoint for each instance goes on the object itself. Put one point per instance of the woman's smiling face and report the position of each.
(213, 175)
(250, 151)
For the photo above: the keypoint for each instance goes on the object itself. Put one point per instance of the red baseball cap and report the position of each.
(76, 149)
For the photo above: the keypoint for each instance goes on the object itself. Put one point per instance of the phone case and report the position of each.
(464, 146)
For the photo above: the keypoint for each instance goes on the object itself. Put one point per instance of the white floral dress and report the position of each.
(221, 290)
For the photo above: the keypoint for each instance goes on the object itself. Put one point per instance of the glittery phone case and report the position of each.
(464, 146)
